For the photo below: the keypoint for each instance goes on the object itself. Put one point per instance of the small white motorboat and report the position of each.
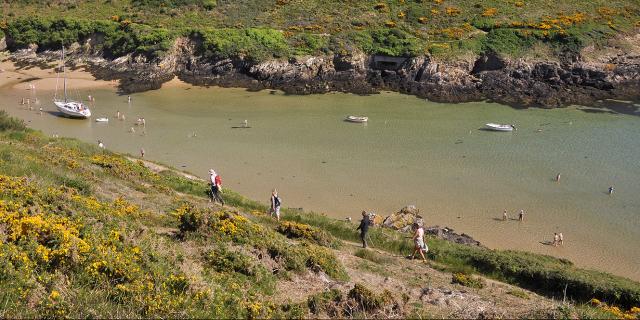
(102, 120)
(357, 119)
(500, 127)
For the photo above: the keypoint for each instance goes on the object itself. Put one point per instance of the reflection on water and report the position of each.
(411, 152)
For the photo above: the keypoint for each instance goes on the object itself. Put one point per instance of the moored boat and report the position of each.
(70, 108)
(357, 119)
(500, 127)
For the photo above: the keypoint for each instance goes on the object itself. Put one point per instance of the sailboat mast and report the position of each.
(64, 74)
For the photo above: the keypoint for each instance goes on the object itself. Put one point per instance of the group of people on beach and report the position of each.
(505, 215)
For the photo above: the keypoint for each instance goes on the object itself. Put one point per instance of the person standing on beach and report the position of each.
(560, 238)
(558, 178)
(141, 152)
(504, 215)
(364, 228)
(521, 215)
(275, 204)
(216, 187)
(418, 241)
(556, 239)
(611, 190)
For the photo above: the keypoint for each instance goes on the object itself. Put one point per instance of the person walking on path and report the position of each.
(364, 228)
(505, 217)
(216, 187)
(418, 240)
(521, 215)
(275, 204)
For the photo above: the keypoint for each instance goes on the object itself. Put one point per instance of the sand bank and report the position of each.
(45, 79)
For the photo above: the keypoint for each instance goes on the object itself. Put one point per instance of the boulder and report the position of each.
(448, 234)
(403, 219)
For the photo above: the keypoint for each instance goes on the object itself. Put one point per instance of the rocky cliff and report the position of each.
(581, 78)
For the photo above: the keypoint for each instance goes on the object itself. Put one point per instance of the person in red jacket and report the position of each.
(216, 186)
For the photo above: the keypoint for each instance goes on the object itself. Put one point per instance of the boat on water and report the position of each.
(357, 119)
(500, 127)
(102, 120)
(70, 108)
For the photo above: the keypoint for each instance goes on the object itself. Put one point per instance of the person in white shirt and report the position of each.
(216, 186)
(418, 240)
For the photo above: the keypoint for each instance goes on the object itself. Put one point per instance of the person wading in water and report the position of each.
(364, 228)
(216, 187)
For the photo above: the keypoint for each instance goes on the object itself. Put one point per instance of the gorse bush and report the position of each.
(304, 231)
(467, 280)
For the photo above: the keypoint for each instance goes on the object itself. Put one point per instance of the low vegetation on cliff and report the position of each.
(260, 30)
(90, 233)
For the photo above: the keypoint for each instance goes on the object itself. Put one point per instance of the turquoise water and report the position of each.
(412, 151)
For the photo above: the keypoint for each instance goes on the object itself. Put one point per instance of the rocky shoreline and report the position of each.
(583, 78)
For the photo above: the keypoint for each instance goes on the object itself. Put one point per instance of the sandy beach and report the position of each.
(22, 78)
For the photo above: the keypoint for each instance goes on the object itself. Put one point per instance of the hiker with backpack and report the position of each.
(275, 204)
(364, 228)
(216, 187)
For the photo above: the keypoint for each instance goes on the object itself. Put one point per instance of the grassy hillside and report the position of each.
(89, 233)
(264, 29)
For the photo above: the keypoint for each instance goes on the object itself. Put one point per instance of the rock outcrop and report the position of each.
(407, 216)
(403, 219)
(447, 233)
(580, 78)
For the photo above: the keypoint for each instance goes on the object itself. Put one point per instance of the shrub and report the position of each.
(319, 302)
(8, 123)
(307, 232)
(368, 300)
(223, 260)
(255, 44)
(518, 293)
(391, 42)
(467, 280)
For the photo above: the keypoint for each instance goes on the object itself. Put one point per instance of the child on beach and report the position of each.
(504, 215)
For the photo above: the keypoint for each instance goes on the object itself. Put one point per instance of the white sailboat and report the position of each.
(70, 108)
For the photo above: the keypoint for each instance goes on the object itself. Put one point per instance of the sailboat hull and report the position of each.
(73, 109)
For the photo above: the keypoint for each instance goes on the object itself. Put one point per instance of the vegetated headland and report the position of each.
(521, 53)
(91, 233)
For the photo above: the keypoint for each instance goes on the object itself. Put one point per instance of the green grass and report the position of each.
(70, 251)
(266, 29)
(130, 267)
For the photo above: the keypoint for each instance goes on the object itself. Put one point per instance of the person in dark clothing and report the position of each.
(364, 227)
